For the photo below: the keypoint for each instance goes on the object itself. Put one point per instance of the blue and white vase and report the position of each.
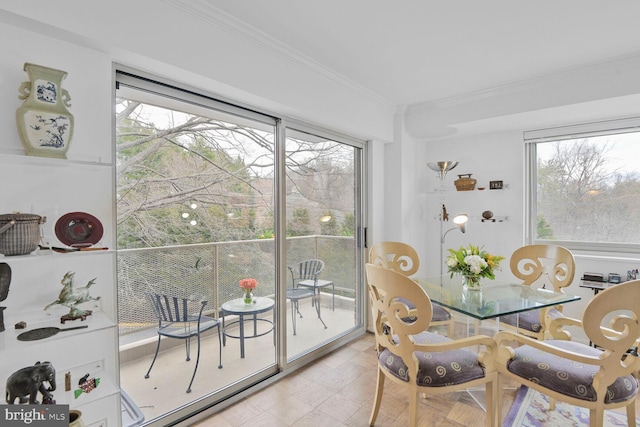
(44, 123)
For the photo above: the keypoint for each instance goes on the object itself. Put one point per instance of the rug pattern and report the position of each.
(531, 409)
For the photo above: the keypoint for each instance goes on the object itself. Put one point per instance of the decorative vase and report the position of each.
(472, 297)
(44, 123)
(75, 418)
(472, 283)
(248, 297)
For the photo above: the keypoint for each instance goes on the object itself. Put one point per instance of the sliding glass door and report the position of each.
(199, 215)
(323, 220)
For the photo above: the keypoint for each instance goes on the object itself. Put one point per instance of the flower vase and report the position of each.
(472, 297)
(248, 297)
(472, 283)
(75, 418)
(44, 123)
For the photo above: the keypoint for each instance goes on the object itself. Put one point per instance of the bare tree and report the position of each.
(581, 198)
(189, 179)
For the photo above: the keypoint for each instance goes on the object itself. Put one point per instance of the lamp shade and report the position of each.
(461, 219)
(441, 168)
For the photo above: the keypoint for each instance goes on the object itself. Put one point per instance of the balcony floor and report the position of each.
(165, 389)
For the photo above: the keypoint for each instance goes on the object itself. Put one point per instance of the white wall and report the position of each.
(196, 46)
(487, 158)
(85, 39)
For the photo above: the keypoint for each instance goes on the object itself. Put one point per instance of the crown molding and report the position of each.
(211, 15)
(606, 67)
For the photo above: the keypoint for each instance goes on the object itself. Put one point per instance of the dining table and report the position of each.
(495, 298)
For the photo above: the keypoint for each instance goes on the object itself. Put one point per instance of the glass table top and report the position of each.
(237, 306)
(493, 300)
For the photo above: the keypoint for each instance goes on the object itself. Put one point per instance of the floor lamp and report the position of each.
(441, 168)
(461, 222)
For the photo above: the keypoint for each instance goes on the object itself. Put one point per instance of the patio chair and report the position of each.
(417, 360)
(597, 378)
(542, 265)
(306, 274)
(404, 259)
(182, 318)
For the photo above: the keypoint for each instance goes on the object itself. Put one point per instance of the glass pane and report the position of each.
(195, 217)
(588, 189)
(321, 225)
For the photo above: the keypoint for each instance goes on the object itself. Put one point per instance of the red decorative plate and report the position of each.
(78, 229)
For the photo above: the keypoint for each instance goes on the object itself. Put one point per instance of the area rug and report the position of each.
(531, 409)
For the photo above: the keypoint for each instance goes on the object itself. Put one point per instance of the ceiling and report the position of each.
(451, 67)
(413, 51)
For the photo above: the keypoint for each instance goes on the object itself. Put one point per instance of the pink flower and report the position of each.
(248, 283)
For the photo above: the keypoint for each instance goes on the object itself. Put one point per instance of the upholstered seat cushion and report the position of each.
(565, 376)
(529, 320)
(439, 314)
(436, 369)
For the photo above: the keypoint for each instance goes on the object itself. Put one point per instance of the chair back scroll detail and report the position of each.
(527, 264)
(396, 256)
(620, 305)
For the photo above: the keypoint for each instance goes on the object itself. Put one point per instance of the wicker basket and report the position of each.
(19, 233)
(465, 182)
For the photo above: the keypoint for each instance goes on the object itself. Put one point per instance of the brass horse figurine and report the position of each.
(71, 297)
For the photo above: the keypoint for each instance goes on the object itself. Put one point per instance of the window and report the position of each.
(584, 186)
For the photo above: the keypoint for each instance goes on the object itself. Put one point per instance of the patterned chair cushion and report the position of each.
(529, 320)
(568, 377)
(439, 314)
(436, 369)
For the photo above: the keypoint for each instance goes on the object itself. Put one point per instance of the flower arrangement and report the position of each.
(248, 285)
(473, 263)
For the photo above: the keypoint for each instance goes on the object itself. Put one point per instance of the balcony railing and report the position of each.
(212, 271)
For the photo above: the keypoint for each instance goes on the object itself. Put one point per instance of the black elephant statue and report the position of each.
(28, 381)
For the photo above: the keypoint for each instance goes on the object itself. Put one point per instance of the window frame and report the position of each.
(532, 139)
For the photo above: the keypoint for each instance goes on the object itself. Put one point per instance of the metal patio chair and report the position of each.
(182, 318)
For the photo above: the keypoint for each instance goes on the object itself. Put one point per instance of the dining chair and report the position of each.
(182, 318)
(306, 274)
(404, 259)
(548, 266)
(597, 378)
(304, 283)
(418, 360)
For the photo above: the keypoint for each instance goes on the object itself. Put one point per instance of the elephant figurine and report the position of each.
(28, 381)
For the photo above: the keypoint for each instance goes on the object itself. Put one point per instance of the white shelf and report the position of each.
(18, 156)
(9, 338)
(492, 220)
(42, 254)
(453, 190)
(96, 369)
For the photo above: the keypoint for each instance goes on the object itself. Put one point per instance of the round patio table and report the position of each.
(238, 308)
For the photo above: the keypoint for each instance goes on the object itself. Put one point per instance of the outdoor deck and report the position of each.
(165, 390)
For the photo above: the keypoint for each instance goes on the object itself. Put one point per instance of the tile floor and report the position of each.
(337, 390)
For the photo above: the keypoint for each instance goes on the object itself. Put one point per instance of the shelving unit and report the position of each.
(52, 187)
(472, 201)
